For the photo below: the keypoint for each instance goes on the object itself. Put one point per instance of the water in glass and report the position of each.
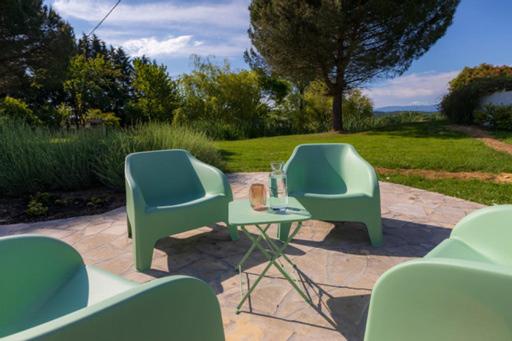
(278, 194)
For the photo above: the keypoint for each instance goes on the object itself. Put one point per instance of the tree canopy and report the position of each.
(346, 43)
(35, 48)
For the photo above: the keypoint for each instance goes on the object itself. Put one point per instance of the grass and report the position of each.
(39, 159)
(428, 145)
(33, 160)
(487, 193)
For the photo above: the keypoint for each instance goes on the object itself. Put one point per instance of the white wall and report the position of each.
(498, 98)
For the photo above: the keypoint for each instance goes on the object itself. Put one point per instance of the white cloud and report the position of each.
(414, 89)
(153, 47)
(181, 46)
(229, 14)
(174, 28)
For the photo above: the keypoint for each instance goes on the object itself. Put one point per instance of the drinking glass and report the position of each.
(258, 196)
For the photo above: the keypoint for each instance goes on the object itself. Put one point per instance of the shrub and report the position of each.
(218, 95)
(18, 110)
(38, 204)
(495, 116)
(467, 89)
(97, 117)
(470, 74)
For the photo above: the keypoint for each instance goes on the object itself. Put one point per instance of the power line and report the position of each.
(104, 18)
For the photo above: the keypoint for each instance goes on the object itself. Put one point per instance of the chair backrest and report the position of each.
(33, 269)
(165, 176)
(317, 167)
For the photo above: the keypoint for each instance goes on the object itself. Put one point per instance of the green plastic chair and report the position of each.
(169, 192)
(47, 293)
(334, 183)
(461, 290)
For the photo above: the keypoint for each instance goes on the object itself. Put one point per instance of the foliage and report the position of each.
(345, 43)
(466, 91)
(119, 90)
(357, 105)
(495, 116)
(155, 95)
(217, 95)
(17, 110)
(470, 74)
(88, 85)
(110, 164)
(38, 204)
(36, 45)
(275, 88)
(36, 159)
(40, 159)
(317, 116)
(97, 117)
(63, 114)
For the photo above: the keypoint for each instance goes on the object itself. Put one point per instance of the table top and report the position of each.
(241, 213)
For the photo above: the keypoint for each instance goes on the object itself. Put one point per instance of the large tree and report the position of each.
(155, 94)
(35, 49)
(120, 91)
(346, 43)
(89, 83)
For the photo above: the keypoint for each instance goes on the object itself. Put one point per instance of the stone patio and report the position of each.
(338, 265)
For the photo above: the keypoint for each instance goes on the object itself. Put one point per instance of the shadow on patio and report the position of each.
(336, 264)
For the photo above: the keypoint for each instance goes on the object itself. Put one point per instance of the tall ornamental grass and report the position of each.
(110, 164)
(39, 159)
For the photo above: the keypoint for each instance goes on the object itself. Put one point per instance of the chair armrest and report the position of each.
(441, 299)
(213, 180)
(33, 268)
(171, 308)
(135, 203)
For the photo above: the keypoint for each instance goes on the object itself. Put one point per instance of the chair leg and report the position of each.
(129, 227)
(283, 230)
(374, 226)
(233, 232)
(143, 252)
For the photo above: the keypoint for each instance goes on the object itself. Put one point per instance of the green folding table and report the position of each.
(241, 215)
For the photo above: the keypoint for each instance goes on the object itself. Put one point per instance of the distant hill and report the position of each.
(398, 108)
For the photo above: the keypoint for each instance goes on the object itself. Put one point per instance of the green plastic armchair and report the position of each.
(168, 192)
(334, 183)
(458, 291)
(47, 293)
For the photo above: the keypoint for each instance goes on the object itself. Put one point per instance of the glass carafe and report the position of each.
(278, 194)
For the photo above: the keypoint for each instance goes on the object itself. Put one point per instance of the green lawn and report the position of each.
(428, 145)
(487, 193)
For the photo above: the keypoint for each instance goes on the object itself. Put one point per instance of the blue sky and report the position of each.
(170, 31)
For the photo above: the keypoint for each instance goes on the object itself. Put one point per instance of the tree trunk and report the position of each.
(337, 114)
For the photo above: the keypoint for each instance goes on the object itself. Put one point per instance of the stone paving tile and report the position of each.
(337, 265)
